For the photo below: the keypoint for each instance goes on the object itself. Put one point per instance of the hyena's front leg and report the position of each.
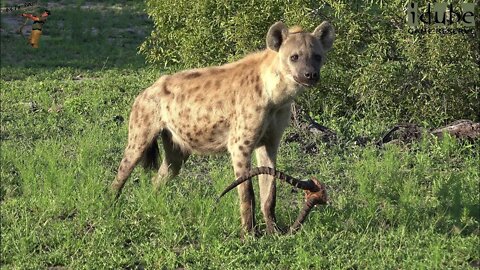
(266, 156)
(241, 160)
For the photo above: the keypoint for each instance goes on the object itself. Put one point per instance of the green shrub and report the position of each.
(376, 71)
(197, 33)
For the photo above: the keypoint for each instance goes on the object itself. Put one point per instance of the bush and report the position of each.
(377, 74)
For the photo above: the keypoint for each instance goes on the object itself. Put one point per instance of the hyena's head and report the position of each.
(301, 54)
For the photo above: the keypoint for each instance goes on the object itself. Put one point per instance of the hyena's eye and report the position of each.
(294, 57)
(317, 57)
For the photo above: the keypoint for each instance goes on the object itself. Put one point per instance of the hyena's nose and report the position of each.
(311, 76)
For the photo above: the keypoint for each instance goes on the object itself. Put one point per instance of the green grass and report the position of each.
(414, 207)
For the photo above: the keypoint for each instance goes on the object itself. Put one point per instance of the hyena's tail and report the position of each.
(150, 158)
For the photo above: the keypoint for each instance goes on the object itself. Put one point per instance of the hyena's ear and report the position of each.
(276, 35)
(325, 34)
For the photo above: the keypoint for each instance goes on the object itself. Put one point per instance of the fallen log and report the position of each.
(462, 129)
(406, 133)
(400, 133)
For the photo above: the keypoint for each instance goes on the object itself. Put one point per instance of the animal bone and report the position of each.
(315, 192)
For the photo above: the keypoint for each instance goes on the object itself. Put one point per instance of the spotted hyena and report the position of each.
(238, 107)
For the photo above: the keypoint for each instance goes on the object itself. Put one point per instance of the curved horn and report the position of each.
(307, 207)
(305, 185)
(315, 192)
(312, 198)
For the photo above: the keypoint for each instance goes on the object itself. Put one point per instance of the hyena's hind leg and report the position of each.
(142, 134)
(172, 162)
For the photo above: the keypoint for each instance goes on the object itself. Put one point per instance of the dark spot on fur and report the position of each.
(258, 89)
(247, 142)
(252, 79)
(239, 164)
(165, 90)
(207, 84)
(258, 108)
(195, 88)
(245, 154)
(193, 75)
(241, 148)
(146, 118)
(246, 78)
(217, 84)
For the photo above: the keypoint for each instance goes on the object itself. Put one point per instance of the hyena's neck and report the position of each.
(280, 89)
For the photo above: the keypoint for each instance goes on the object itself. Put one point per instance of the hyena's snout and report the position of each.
(309, 77)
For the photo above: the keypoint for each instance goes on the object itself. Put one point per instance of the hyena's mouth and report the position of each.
(305, 83)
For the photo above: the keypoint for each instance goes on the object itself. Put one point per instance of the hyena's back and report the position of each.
(200, 106)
